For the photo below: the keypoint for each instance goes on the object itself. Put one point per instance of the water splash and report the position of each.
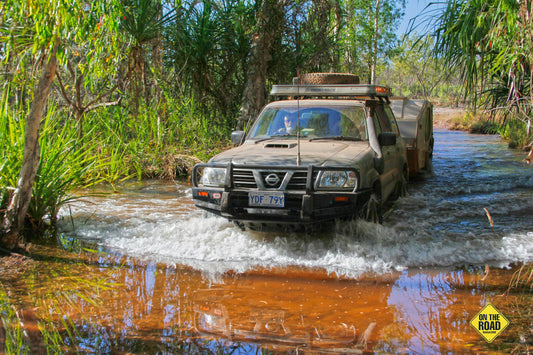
(441, 223)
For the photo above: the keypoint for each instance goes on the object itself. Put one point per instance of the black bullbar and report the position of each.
(300, 206)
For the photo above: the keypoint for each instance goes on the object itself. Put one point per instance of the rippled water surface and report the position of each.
(194, 283)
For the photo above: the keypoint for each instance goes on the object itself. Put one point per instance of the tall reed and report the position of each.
(12, 143)
(117, 144)
(65, 163)
(45, 310)
(63, 166)
(141, 144)
(14, 342)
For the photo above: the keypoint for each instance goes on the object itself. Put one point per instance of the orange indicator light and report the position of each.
(340, 199)
(203, 193)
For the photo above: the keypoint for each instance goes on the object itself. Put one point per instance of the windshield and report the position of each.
(313, 122)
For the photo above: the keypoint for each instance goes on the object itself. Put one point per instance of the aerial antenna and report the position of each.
(298, 158)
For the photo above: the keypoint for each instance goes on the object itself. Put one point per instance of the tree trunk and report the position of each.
(11, 236)
(337, 30)
(254, 91)
(375, 45)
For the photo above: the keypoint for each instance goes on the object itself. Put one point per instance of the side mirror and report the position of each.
(237, 137)
(387, 139)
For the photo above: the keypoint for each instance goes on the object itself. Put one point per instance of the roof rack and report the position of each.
(344, 90)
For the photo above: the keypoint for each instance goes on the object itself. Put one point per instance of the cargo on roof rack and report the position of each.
(341, 90)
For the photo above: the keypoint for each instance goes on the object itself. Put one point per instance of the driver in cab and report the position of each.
(289, 125)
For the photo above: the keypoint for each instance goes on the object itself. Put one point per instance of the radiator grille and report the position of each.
(244, 179)
(253, 179)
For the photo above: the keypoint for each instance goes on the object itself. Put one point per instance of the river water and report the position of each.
(184, 282)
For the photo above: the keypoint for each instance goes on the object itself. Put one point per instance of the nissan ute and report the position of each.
(316, 154)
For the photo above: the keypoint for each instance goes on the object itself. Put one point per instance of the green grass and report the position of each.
(157, 141)
(512, 130)
(65, 163)
(144, 144)
(52, 294)
(522, 278)
(14, 337)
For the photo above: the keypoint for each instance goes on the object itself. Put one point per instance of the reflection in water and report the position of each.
(317, 314)
(156, 308)
(435, 309)
(165, 308)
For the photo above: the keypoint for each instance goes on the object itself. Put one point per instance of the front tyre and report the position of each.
(401, 188)
(372, 209)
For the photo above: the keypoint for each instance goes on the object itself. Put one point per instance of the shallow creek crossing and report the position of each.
(185, 282)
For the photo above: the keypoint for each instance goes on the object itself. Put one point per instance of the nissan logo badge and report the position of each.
(272, 179)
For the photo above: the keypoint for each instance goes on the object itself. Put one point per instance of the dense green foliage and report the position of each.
(491, 44)
(414, 72)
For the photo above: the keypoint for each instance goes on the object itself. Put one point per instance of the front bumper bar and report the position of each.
(301, 207)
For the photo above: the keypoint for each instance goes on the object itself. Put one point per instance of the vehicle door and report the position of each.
(400, 144)
(392, 155)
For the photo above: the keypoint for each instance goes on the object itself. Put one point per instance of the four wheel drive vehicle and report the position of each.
(318, 153)
(415, 120)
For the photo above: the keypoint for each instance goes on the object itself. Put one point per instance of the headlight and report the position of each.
(337, 180)
(213, 177)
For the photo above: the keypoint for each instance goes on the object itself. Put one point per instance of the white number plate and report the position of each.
(266, 199)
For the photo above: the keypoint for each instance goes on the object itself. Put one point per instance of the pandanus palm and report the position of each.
(490, 41)
(143, 21)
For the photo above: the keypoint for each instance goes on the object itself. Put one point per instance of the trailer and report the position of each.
(415, 121)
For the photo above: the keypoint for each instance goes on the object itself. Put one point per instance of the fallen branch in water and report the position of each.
(487, 271)
(489, 217)
(529, 158)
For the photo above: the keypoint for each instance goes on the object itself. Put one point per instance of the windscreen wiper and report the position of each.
(336, 138)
